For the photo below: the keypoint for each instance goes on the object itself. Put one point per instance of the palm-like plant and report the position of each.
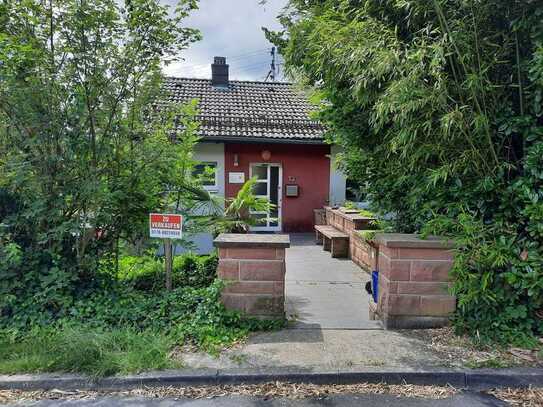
(238, 217)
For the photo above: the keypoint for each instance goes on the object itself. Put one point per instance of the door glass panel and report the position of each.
(274, 215)
(274, 195)
(274, 185)
(260, 172)
(261, 219)
(261, 189)
(267, 186)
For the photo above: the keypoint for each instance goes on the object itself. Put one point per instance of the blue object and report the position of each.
(375, 285)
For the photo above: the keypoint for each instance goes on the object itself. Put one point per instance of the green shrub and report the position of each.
(194, 271)
(120, 329)
(366, 213)
(188, 314)
(498, 287)
(147, 273)
(144, 273)
(123, 306)
(191, 312)
(437, 106)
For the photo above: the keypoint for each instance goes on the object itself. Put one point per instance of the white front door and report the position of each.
(268, 186)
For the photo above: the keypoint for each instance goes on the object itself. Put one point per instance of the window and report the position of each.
(207, 173)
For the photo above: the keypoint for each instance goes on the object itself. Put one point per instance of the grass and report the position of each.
(81, 350)
(126, 331)
(239, 359)
(491, 363)
(124, 326)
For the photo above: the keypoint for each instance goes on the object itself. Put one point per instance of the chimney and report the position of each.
(219, 72)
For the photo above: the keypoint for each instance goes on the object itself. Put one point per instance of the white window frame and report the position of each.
(215, 186)
(268, 228)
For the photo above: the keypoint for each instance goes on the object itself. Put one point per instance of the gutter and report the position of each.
(260, 140)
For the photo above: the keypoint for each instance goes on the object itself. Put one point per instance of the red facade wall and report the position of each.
(309, 165)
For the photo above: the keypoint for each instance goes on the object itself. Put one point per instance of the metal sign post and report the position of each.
(168, 262)
(167, 227)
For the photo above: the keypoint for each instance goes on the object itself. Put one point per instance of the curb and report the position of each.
(490, 378)
(469, 379)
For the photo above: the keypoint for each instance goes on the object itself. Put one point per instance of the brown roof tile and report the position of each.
(247, 110)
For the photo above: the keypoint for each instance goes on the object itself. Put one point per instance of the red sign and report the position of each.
(166, 226)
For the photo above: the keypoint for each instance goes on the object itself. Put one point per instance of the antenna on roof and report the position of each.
(272, 72)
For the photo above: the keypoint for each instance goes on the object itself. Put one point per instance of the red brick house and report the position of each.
(263, 129)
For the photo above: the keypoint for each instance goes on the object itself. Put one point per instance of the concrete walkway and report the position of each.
(323, 292)
(329, 329)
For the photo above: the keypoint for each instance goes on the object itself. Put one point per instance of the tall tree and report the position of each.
(85, 153)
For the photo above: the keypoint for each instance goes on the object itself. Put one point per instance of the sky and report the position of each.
(230, 28)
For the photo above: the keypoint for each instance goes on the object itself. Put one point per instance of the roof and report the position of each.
(247, 111)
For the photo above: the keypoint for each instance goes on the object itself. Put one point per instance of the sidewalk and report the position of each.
(323, 292)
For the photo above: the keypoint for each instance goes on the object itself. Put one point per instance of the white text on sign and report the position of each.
(166, 226)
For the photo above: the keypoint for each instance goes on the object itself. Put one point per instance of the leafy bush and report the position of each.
(438, 107)
(237, 216)
(147, 273)
(498, 285)
(192, 314)
(133, 303)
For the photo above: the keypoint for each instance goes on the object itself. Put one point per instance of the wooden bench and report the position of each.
(332, 240)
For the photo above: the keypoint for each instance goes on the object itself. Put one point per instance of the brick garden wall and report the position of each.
(319, 216)
(413, 273)
(414, 281)
(333, 219)
(254, 268)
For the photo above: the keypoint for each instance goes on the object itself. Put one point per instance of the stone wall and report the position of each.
(347, 221)
(414, 281)
(333, 218)
(253, 266)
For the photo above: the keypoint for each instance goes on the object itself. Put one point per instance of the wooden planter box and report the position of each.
(363, 252)
(320, 217)
(347, 222)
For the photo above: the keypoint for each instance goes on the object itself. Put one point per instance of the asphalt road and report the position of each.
(461, 400)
